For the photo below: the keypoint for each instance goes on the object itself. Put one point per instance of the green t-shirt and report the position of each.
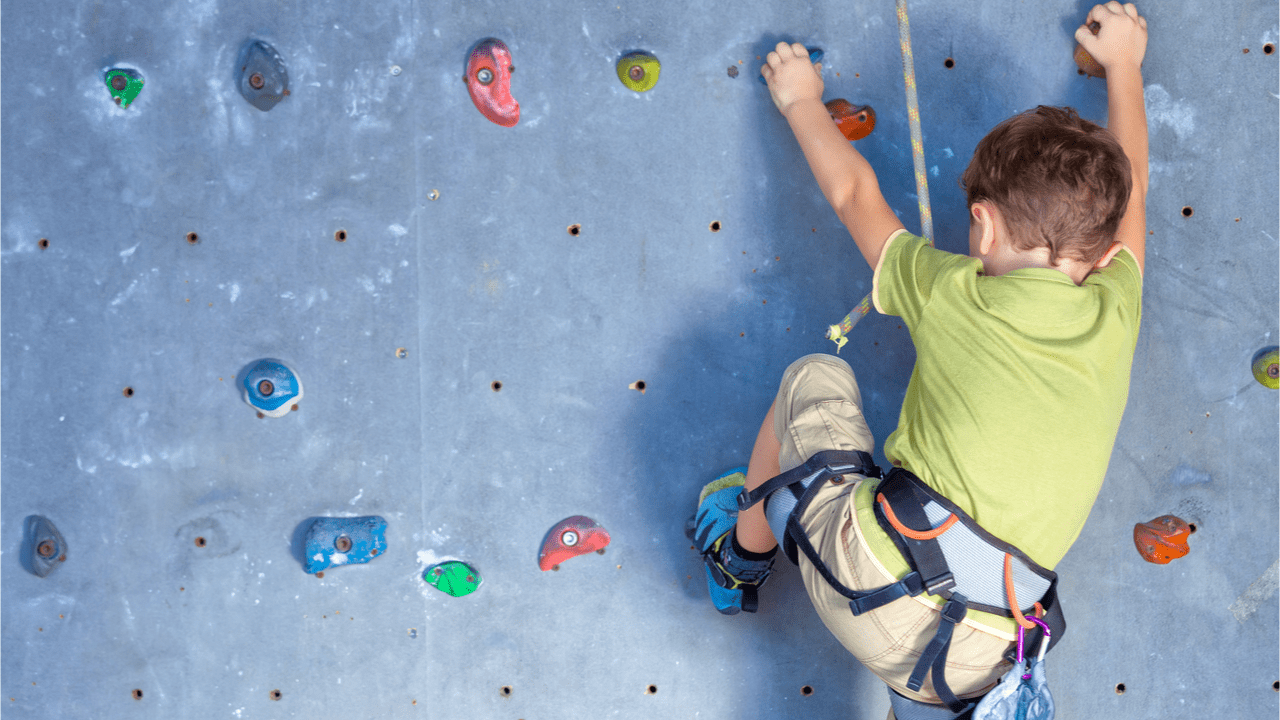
(1018, 388)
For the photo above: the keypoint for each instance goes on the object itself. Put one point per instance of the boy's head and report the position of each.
(1059, 181)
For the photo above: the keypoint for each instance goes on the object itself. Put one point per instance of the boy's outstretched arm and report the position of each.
(846, 179)
(1119, 47)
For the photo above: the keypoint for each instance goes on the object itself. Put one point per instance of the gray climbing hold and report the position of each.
(344, 541)
(43, 548)
(263, 78)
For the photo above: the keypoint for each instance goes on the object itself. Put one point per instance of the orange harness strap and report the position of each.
(908, 532)
(1013, 597)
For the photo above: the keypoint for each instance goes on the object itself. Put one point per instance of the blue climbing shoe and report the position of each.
(733, 581)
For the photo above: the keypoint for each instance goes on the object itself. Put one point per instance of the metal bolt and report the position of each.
(119, 82)
(433, 194)
(636, 72)
(343, 543)
(266, 388)
(395, 69)
(484, 76)
(46, 548)
(1273, 370)
(569, 538)
(256, 81)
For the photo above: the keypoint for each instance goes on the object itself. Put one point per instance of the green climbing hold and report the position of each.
(1266, 367)
(639, 71)
(124, 85)
(453, 578)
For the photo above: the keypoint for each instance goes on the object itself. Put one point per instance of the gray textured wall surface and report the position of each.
(484, 284)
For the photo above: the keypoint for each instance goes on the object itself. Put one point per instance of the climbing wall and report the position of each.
(498, 328)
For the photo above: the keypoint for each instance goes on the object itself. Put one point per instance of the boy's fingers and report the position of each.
(783, 50)
(799, 50)
(1131, 10)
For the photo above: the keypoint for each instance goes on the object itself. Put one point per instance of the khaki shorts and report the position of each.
(819, 408)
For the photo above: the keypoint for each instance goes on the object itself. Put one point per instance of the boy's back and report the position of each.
(1018, 388)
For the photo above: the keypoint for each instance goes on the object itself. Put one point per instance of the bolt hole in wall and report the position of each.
(44, 243)
(1187, 211)
(193, 238)
(651, 690)
(949, 63)
(714, 226)
(137, 694)
(505, 691)
(276, 694)
(1276, 686)
(575, 229)
(496, 385)
(1268, 48)
(1119, 688)
(340, 236)
(807, 690)
(201, 542)
(128, 391)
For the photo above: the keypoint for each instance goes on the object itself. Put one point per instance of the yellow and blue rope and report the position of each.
(838, 331)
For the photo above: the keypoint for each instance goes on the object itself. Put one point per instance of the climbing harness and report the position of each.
(837, 332)
(950, 555)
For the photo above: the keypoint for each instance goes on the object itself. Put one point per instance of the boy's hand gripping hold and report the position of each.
(791, 76)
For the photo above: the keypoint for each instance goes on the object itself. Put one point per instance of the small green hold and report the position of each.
(639, 71)
(1266, 367)
(453, 578)
(124, 85)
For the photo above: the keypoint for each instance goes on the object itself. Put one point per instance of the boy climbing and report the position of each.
(1023, 349)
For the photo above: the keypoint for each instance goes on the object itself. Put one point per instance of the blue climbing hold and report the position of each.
(43, 549)
(815, 56)
(271, 387)
(344, 541)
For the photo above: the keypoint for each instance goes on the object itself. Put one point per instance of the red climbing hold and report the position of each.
(488, 79)
(1162, 539)
(571, 537)
(854, 121)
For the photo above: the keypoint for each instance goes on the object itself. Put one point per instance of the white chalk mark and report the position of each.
(1162, 109)
(1259, 592)
(133, 286)
(358, 496)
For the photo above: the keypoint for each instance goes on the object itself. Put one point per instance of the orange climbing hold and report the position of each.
(854, 121)
(1085, 61)
(1162, 539)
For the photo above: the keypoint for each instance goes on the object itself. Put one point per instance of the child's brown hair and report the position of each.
(1059, 181)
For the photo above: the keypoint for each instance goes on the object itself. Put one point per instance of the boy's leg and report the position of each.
(753, 531)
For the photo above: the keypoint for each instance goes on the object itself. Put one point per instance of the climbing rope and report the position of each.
(837, 332)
